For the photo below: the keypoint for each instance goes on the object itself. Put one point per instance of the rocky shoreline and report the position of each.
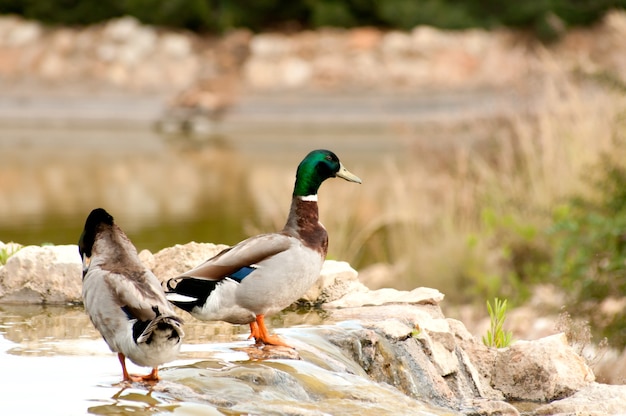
(208, 74)
(435, 359)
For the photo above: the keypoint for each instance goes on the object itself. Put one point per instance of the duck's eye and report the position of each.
(328, 158)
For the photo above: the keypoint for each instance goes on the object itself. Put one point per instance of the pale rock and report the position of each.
(305, 44)
(172, 261)
(146, 76)
(368, 69)
(270, 46)
(63, 41)
(42, 274)
(364, 38)
(7, 23)
(121, 30)
(397, 44)
(85, 40)
(392, 328)
(436, 325)
(128, 51)
(184, 69)
(295, 72)
(128, 55)
(175, 45)
(477, 41)
(337, 279)
(10, 66)
(23, 34)
(413, 316)
(441, 348)
(330, 69)
(147, 258)
(335, 41)
(594, 399)
(145, 40)
(459, 330)
(408, 71)
(138, 48)
(423, 363)
(482, 358)
(615, 21)
(542, 370)
(118, 74)
(260, 74)
(365, 57)
(420, 295)
(425, 39)
(52, 67)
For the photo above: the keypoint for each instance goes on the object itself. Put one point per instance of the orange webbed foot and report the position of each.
(152, 377)
(263, 336)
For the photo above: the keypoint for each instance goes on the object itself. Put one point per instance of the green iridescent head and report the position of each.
(316, 167)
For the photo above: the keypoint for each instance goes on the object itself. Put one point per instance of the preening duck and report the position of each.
(265, 273)
(124, 300)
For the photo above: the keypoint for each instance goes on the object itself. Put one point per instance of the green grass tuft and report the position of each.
(496, 335)
(7, 251)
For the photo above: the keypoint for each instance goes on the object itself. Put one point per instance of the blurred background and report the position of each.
(489, 136)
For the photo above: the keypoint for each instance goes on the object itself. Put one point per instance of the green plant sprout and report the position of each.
(496, 336)
(7, 251)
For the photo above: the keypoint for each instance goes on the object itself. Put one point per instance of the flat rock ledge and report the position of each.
(400, 338)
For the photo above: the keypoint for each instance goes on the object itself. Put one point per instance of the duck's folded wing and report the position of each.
(249, 252)
(135, 295)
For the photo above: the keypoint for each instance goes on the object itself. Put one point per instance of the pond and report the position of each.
(60, 157)
(163, 189)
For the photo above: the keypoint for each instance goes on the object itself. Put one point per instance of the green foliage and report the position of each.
(591, 231)
(406, 14)
(7, 251)
(416, 331)
(544, 17)
(520, 253)
(590, 236)
(496, 336)
(190, 14)
(331, 13)
(70, 12)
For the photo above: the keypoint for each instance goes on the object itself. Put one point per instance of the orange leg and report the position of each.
(153, 376)
(254, 330)
(264, 336)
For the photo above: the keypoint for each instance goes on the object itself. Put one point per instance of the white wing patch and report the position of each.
(177, 297)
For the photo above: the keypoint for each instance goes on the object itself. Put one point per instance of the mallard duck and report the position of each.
(124, 300)
(265, 273)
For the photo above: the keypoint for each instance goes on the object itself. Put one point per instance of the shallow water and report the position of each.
(63, 154)
(162, 189)
(54, 363)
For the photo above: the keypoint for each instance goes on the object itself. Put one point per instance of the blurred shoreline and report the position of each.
(46, 106)
(123, 72)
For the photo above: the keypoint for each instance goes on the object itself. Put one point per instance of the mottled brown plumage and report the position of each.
(124, 300)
